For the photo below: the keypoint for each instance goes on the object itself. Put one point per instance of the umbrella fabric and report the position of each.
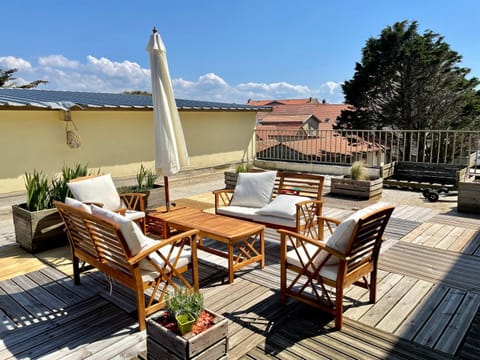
(170, 148)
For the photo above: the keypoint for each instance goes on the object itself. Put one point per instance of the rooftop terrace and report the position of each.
(427, 304)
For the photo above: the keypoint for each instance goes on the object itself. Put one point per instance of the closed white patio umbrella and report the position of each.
(170, 148)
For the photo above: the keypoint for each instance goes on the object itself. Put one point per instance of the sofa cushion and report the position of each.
(282, 206)
(98, 189)
(77, 204)
(238, 211)
(254, 189)
(276, 220)
(131, 232)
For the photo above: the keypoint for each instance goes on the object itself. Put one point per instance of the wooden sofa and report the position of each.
(100, 243)
(304, 221)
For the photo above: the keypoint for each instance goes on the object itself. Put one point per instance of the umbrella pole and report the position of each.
(167, 193)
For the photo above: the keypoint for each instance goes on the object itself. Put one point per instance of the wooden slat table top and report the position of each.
(219, 227)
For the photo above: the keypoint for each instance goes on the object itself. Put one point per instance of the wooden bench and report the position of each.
(99, 242)
(301, 184)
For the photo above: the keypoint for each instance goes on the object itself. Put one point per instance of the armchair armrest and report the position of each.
(134, 201)
(296, 239)
(223, 197)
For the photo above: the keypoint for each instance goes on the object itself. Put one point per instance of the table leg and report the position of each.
(230, 263)
(262, 249)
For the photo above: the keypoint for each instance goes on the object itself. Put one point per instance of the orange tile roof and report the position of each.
(328, 142)
(320, 111)
(274, 118)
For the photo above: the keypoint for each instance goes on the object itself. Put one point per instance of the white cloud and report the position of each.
(58, 61)
(12, 62)
(105, 75)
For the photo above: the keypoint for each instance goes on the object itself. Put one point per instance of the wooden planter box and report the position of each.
(155, 197)
(208, 345)
(469, 197)
(38, 230)
(363, 189)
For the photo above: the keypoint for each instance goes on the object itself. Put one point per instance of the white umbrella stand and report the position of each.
(170, 148)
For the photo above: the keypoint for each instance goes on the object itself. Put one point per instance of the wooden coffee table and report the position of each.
(244, 239)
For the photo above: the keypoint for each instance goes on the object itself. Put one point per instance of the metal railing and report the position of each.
(375, 147)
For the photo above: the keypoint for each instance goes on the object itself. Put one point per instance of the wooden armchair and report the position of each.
(100, 190)
(323, 269)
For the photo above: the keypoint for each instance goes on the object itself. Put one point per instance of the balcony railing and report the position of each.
(375, 147)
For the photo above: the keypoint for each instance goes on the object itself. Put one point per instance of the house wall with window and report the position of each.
(115, 141)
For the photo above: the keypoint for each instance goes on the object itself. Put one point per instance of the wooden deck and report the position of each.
(427, 304)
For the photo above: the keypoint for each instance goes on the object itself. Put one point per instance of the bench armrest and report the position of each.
(307, 215)
(223, 197)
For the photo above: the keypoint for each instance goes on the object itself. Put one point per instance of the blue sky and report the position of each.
(217, 50)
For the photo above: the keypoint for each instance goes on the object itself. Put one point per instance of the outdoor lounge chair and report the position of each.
(100, 190)
(323, 269)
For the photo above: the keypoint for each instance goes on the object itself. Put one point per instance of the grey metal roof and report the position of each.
(66, 100)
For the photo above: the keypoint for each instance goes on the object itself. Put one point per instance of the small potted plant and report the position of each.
(185, 306)
(186, 328)
(155, 194)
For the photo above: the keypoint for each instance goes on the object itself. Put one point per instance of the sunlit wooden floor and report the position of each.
(427, 304)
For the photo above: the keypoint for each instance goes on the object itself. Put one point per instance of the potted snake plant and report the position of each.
(37, 224)
(146, 184)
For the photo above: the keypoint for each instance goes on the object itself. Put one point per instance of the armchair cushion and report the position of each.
(99, 189)
(254, 189)
(282, 206)
(338, 241)
(342, 234)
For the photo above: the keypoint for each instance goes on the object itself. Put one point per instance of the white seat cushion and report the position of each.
(310, 249)
(282, 206)
(134, 214)
(78, 204)
(238, 211)
(99, 189)
(254, 189)
(149, 270)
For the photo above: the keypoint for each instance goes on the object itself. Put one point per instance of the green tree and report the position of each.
(407, 80)
(7, 75)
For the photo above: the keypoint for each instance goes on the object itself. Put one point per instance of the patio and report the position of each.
(427, 304)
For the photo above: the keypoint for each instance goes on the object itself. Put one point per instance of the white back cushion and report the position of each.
(130, 230)
(282, 206)
(78, 204)
(100, 189)
(254, 189)
(341, 235)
